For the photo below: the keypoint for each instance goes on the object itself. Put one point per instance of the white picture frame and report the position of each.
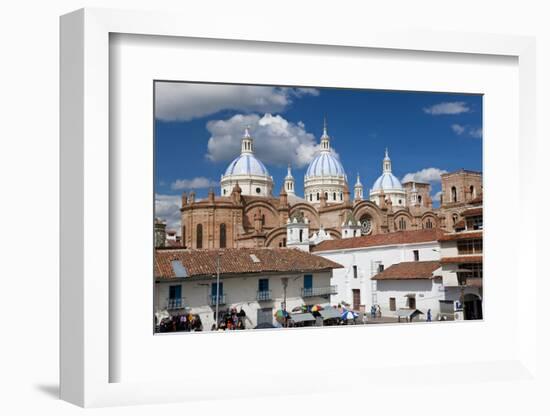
(85, 352)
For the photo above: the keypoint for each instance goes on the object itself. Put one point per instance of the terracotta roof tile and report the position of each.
(239, 261)
(409, 270)
(464, 235)
(462, 259)
(398, 237)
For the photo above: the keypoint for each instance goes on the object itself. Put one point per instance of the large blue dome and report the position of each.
(387, 181)
(246, 164)
(325, 164)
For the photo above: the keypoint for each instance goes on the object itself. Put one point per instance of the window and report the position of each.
(416, 255)
(472, 192)
(469, 271)
(473, 246)
(263, 285)
(183, 237)
(222, 236)
(429, 223)
(392, 304)
(326, 196)
(310, 197)
(453, 194)
(199, 236)
(475, 223)
(174, 292)
(224, 191)
(411, 302)
(214, 292)
(355, 272)
(341, 196)
(308, 281)
(380, 268)
(317, 196)
(301, 235)
(258, 190)
(334, 196)
(284, 242)
(419, 199)
(402, 224)
(455, 218)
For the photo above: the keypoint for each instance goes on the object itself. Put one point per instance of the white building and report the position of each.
(366, 256)
(259, 281)
(247, 171)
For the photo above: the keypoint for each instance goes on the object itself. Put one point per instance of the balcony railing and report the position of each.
(221, 299)
(263, 295)
(174, 303)
(319, 291)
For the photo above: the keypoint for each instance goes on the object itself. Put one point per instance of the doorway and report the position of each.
(356, 298)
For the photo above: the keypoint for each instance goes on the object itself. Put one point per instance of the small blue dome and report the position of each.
(325, 164)
(387, 181)
(246, 164)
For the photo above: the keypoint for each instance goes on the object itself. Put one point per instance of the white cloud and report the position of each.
(475, 132)
(184, 101)
(458, 129)
(276, 140)
(425, 175)
(455, 107)
(167, 207)
(196, 183)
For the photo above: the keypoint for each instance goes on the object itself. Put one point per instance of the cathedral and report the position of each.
(248, 214)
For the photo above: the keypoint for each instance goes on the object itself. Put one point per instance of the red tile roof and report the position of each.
(386, 239)
(239, 261)
(409, 270)
(462, 259)
(464, 235)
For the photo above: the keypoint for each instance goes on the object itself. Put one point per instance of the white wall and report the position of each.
(365, 259)
(241, 292)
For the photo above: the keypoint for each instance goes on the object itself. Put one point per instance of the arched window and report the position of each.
(222, 236)
(341, 196)
(455, 218)
(402, 224)
(263, 219)
(199, 235)
(301, 235)
(472, 192)
(183, 237)
(326, 196)
(429, 223)
(334, 196)
(419, 199)
(317, 196)
(310, 197)
(284, 242)
(453, 194)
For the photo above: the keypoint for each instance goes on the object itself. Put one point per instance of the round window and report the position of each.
(258, 190)
(366, 225)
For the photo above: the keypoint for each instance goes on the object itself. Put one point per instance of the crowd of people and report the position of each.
(231, 320)
(180, 323)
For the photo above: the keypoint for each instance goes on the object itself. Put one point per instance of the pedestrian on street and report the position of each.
(429, 316)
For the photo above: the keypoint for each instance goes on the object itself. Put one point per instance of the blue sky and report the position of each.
(198, 129)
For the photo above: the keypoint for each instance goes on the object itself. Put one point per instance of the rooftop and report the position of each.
(409, 270)
(386, 239)
(463, 235)
(462, 259)
(203, 263)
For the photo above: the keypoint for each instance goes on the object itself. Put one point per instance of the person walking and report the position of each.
(429, 316)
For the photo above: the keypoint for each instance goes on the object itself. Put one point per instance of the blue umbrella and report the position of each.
(348, 314)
